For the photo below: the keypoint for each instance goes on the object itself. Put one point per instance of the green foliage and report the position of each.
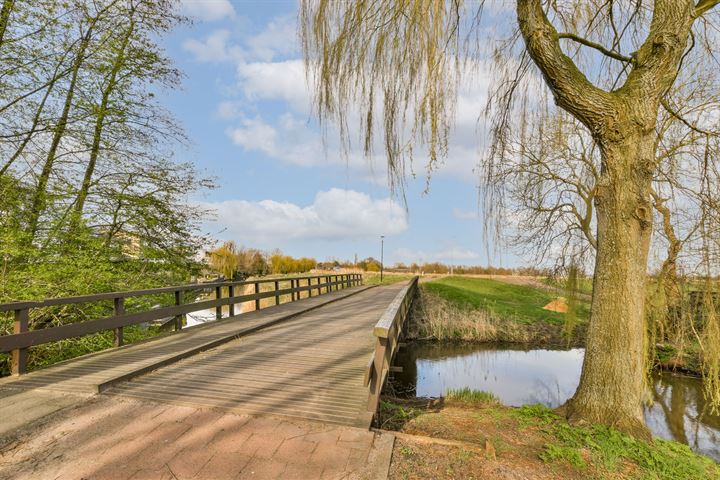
(80, 264)
(520, 302)
(609, 450)
(91, 200)
(407, 451)
(469, 396)
(537, 413)
(555, 453)
(284, 264)
(395, 416)
(369, 265)
(234, 263)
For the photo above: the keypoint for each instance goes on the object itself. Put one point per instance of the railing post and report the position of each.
(257, 292)
(218, 309)
(231, 293)
(19, 357)
(277, 288)
(376, 383)
(178, 318)
(293, 285)
(309, 279)
(119, 306)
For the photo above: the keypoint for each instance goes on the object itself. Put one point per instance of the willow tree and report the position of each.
(610, 65)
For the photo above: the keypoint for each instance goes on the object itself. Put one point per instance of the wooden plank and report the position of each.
(311, 366)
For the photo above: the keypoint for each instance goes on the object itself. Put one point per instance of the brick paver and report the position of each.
(113, 438)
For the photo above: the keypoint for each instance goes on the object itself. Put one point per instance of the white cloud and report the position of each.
(213, 48)
(335, 214)
(208, 10)
(266, 74)
(283, 80)
(278, 38)
(291, 140)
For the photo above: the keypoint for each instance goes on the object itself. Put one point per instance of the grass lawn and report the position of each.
(584, 285)
(521, 303)
(491, 441)
(373, 278)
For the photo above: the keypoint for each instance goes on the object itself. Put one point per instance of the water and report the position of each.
(517, 377)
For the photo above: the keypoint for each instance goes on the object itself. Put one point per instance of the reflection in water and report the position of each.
(517, 377)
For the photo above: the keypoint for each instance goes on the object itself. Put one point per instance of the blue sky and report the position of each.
(246, 108)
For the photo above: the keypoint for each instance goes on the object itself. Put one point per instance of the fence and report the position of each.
(23, 338)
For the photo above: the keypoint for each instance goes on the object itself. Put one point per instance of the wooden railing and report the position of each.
(387, 333)
(22, 338)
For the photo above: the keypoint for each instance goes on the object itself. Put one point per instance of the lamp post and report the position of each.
(382, 248)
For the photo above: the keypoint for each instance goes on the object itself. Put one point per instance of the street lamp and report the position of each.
(382, 248)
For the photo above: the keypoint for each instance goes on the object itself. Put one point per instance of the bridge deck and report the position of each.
(304, 359)
(309, 367)
(95, 372)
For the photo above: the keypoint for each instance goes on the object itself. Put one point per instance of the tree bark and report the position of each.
(612, 384)
(5, 11)
(622, 122)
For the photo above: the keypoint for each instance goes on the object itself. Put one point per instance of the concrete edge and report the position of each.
(101, 387)
(425, 440)
(380, 458)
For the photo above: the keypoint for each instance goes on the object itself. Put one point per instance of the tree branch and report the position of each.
(703, 6)
(685, 122)
(596, 46)
(570, 87)
(658, 58)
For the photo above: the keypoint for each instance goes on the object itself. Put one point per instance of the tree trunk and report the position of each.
(117, 65)
(39, 199)
(31, 133)
(5, 11)
(612, 385)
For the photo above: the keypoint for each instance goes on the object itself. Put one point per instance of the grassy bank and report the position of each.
(486, 310)
(373, 278)
(473, 437)
(520, 303)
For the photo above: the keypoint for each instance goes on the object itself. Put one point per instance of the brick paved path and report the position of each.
(116, 438)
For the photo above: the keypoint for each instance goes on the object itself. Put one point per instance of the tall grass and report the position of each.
(435, 318)
(469, 396)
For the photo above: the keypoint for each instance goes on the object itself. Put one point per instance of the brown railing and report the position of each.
(387, 333)
(22, 338)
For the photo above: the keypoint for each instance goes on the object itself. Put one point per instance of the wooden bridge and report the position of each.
(320, 351)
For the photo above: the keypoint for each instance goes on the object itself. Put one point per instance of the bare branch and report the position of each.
(572, 90)
(596, 46)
